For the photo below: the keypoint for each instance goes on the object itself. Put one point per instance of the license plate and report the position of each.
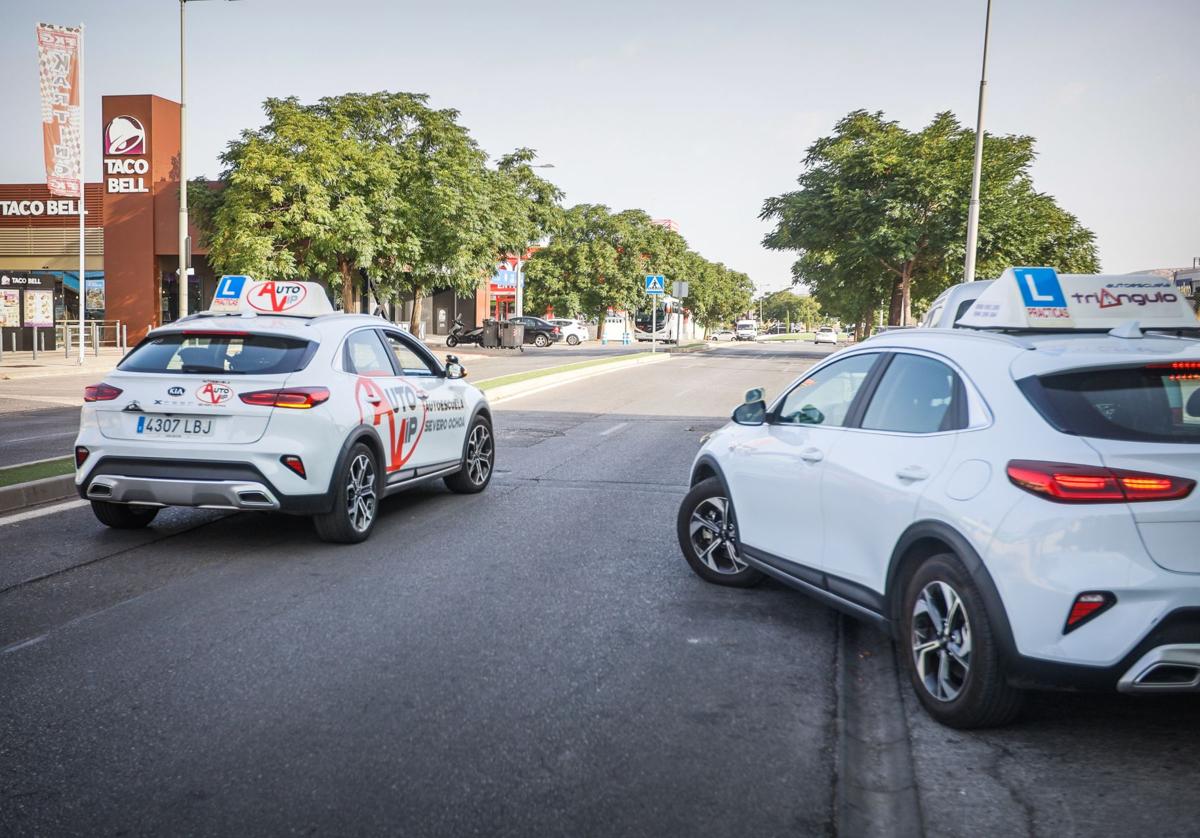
(174, 426)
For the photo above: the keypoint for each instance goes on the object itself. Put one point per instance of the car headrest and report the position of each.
(1193, 403)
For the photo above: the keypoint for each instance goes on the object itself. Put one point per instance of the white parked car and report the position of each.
(745, 330)
(826, 334)
(1013, 501)
(574, 332)
(271, 401)
(722, 335)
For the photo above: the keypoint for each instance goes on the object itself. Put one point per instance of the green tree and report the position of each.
(880, 215)
(787, 306)
(302, 197)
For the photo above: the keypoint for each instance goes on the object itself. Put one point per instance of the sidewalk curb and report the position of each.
(537, 384)
(22, 495)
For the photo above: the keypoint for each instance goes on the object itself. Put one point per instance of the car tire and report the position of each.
(121, 516)
(451, 341)
(355, 499)
(941, 615)
(572, 340)
(541, 341)
(707, 531)
(479, 459)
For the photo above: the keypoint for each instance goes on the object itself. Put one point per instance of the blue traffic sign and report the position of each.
(655, 284)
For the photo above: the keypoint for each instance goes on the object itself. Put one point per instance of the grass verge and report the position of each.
(490, 383)
(13, 475)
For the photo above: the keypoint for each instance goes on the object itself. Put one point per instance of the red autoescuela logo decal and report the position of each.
(214, 392)
(400, 409)
(275, 297)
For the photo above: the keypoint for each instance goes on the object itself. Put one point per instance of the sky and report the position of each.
(691, 110)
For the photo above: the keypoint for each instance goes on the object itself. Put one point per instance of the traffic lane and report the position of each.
(537, 658)
(37, 433)
(709, 384)
(1072, 764)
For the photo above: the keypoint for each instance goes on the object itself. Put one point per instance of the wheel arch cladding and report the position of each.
(929, 538)
(705, 469)
(365, 435)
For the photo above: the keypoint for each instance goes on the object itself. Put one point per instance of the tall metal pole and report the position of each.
(183, 209)
(973, 208)
(82, 191)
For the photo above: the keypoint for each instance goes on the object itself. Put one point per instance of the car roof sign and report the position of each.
(1041, 298)
(238, 294)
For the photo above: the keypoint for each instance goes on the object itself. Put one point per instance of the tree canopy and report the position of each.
(880, 216)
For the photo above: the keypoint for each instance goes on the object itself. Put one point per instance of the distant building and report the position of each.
(669, 223)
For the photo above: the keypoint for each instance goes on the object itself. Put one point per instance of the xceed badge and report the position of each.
(275, 297)
(214, 392)
(125, 135)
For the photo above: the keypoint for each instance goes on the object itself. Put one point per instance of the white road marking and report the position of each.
(614, 428)
(38, 513)
(42, 436)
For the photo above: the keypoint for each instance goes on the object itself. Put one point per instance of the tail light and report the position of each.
(100, 393)
(1086, 606)
(295, 464)
(1067, 483)
(556, 330)
(300, 398)
(81, 455)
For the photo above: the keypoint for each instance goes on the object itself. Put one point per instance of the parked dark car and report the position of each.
(539, 332)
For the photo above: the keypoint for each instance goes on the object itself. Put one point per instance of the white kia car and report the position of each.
(573, 331)
(271, 401)
(1013, 500)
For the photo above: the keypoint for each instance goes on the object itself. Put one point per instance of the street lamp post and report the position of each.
(520, 298)
(973, 207)
(183, 208)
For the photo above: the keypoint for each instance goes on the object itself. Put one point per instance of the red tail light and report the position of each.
(1067, 483)
(100, 393)
(300, 398)
(556, 330)
(295, 464)
(81, 455)
(1086, 606)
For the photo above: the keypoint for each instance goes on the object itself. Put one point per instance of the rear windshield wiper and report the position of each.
(201, 368)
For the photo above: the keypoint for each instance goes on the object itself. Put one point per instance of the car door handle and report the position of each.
(422, 396)
(812, 455)
(913, 473)
(373, 400)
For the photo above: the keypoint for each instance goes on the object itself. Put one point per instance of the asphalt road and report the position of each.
(536, 659)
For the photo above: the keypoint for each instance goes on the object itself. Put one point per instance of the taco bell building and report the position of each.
(131, 229)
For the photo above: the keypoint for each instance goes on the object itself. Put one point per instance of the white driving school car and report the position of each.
(272, 401)
(1013, 499)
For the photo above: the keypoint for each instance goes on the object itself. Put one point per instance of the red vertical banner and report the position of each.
(58, 71)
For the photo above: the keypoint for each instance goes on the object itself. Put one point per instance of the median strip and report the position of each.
(506, 387)
(29, 484)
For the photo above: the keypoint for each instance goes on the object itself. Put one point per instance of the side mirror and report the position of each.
(453, 368)
(750, 413)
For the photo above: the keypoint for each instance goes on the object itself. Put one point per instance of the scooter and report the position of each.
(461, 334)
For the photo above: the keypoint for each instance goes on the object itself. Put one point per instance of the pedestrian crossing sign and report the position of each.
(655, 283)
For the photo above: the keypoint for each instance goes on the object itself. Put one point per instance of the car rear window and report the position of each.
(219, 353)
(1155, 403)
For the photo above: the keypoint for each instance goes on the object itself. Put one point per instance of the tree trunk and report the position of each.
(414, 321)
(347, 286)
(896, 303)
(906, 297)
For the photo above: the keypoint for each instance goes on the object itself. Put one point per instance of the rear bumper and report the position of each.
(199, 483)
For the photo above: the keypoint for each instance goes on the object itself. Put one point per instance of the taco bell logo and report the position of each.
(125, 135)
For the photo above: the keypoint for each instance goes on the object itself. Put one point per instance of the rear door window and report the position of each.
(917, 395)
(219, 353)
(1155, 403)
(366, 355)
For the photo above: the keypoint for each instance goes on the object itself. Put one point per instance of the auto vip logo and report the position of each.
(213, 393)
(175, 391)
(398, 414)
(125, 135)
(275, 297)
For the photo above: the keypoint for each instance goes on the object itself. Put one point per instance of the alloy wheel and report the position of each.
(713, 532)
(941, 640)
(479, 454)
(360, 493)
